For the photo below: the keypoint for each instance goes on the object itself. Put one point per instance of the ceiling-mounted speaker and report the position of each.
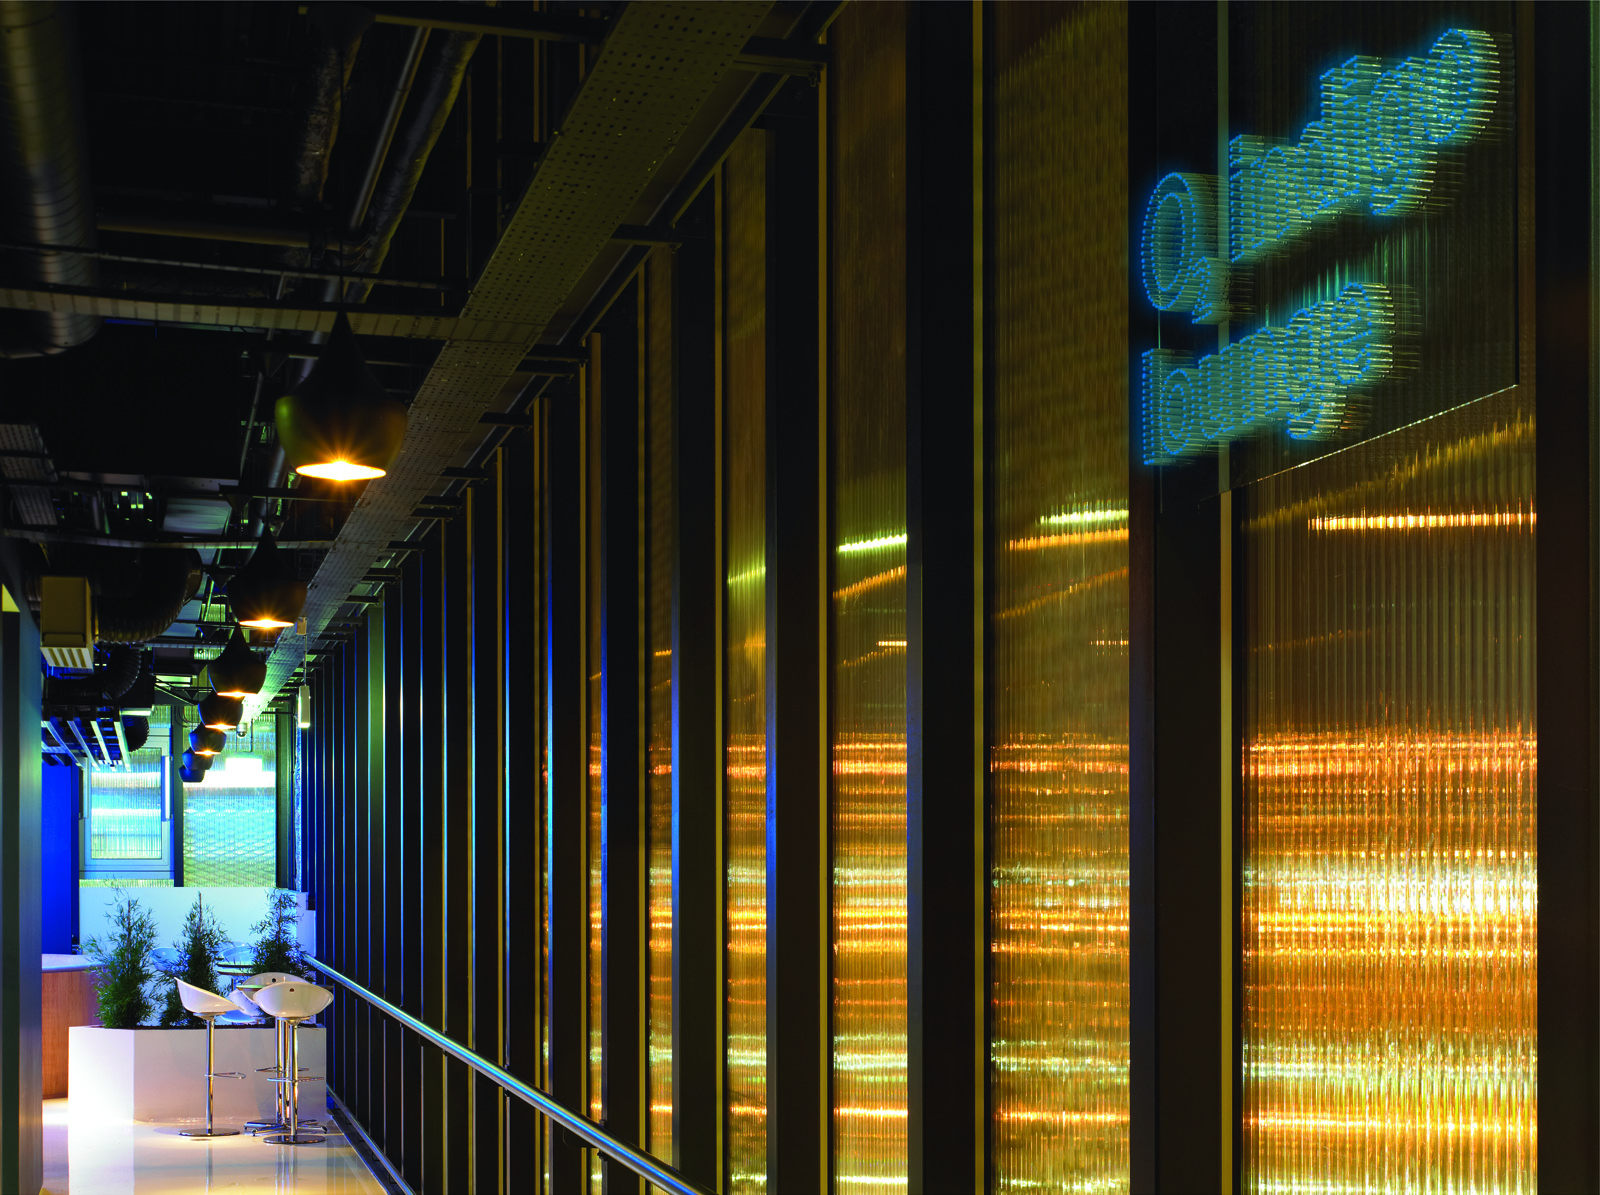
(207, 742)
(265, 593)
(340, 423)
(237, 672)
(220, 713)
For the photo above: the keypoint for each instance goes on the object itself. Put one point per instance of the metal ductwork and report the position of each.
(44, 173)
(139, 592)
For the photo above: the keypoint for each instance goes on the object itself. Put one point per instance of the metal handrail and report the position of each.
(578, 1125)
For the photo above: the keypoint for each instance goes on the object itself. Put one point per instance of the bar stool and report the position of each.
(241, 996)
(208, 1006)
(292, 1003)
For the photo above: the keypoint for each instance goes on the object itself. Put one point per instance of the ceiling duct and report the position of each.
(44, 173)
(139, 592)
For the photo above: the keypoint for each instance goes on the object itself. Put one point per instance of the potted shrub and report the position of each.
(278, 947)
(199, 950)
(128, 1069)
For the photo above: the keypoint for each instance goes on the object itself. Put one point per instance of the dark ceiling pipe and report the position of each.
(45, 196)
(435, 101)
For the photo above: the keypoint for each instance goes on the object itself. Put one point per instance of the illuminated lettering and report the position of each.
(1303, 377)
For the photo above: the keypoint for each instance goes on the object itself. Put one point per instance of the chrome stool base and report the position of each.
(294, 1139)
(208, 1133)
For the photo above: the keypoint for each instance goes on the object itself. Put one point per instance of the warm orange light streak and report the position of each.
(1423, 522)
(1070, 539)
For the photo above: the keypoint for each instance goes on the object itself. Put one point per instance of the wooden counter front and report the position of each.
(67, 1000)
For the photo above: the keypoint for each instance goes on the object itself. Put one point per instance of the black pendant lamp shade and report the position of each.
(264, 593)
(237, 672)
(340, 423)
(207, 742)
(220, 713)
(194, 767)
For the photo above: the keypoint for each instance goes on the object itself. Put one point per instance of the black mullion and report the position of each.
(395, 876)
(521, 548)
(944, 792)
(565, 707)
(621, 826)
(1564, 336)
(487, 778)
(412, 894)
(354, 852)
(796, 581)
(431, 829)
(697, 593)
(373, 843)
(458, 945)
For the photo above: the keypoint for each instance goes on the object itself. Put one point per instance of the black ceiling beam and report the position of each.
(539, 26)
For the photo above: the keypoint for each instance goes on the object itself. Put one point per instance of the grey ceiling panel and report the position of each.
(660, 62)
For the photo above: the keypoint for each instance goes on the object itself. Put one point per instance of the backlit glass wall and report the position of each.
(230, 819)
(1059, 1062)
(657, 323)
(868, 427)
(1390, 783)
(744, 628)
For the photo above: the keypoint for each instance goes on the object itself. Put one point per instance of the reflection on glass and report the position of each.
(1390, 779)
(745, 653)
(868, 815)
(658, 291)
(230, 819)
(1059, 1066)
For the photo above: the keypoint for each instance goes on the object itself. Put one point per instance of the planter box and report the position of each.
(159, 1074)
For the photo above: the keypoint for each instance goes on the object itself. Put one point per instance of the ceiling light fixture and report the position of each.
(237, 672)
(340, 423)
(220, 713)
(264, 593)
(207, 742)
(193, 767)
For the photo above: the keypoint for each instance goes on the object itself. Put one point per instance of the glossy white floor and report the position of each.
(136, 1158)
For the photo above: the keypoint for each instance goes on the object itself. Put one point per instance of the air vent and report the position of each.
(66, 624)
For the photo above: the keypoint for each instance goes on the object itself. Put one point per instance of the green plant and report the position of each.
(201, 949)
(123, 963)
(278, 947)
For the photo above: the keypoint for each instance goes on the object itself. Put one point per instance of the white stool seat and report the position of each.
(203, 1003)
(268, 977)
(245, 1005)
(293, 1001)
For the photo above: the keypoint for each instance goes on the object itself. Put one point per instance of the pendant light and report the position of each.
(264, 593)
(207, 742)
(237, 672)
(194, 767)
(220, 713)
(340, 423)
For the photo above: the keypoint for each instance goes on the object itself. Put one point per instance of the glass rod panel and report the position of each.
(868, 430)
(593, 657)
(657, 357)
(745, 426)
(1059, 1061)
(1390, 932)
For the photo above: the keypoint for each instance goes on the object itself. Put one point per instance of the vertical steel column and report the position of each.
(456, 956)
(523, 728)
(566, 456)
(435, 960)
(283, 737)
(21, 1063)
(945, 749)
(387, 972)
(488, 780)
(697, 757)
(374, 857)
(797, 638)
(621, 756)
(1564, 338)
(413, 846)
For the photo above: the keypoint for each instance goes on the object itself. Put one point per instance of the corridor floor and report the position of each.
(135, 1158)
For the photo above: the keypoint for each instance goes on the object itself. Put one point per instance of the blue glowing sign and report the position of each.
(1376, 149)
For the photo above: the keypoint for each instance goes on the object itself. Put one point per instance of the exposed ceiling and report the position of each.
(478, 182)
